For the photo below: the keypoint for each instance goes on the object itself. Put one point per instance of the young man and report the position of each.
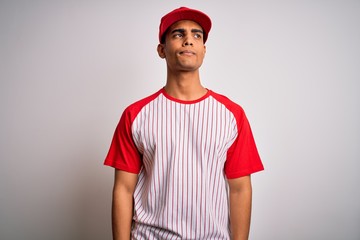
(183, 156)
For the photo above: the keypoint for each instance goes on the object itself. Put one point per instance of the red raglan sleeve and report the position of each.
(123, 153)
(242, 157)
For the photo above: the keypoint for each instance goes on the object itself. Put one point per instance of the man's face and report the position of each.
(184, 48)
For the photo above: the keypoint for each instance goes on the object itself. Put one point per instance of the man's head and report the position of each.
(182, 35)
(184, 13)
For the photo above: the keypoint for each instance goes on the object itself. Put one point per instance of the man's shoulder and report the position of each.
(142, 102)
(227, 102)
(134, 108)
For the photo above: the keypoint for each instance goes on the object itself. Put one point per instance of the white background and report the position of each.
(69, 68)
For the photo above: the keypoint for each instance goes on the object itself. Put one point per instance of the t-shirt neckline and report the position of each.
(185, 101)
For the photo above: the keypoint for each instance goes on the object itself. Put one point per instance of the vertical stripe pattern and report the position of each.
(182, 190)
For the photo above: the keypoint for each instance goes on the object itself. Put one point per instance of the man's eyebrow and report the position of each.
(182, 30)
(197, 31)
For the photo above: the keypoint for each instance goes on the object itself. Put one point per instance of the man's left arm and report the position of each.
(240, 207)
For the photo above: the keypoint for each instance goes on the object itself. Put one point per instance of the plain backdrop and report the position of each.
(69, 68)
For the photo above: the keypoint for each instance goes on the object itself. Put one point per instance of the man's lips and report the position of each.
(187, 52)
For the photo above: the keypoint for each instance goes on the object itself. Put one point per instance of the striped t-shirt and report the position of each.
(184, 152)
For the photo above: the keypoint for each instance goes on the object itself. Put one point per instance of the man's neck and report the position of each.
(185, 86)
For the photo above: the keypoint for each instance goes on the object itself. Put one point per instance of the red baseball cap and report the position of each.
(184, 13)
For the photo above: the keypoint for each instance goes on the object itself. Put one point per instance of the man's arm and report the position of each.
(240, 207)
(122, 204)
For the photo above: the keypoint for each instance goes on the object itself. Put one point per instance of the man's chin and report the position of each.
(190, 67)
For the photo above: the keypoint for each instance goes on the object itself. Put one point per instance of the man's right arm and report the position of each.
(122, 204)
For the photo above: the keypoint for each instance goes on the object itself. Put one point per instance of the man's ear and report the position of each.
(161, 50)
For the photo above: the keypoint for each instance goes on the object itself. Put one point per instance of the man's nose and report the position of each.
(187, 41)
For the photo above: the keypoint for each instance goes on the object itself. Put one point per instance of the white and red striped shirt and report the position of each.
(183, 151)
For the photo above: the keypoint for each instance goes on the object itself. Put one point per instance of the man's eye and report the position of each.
(197, 35)
(178, 35)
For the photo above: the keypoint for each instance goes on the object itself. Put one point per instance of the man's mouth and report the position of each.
(187, 53)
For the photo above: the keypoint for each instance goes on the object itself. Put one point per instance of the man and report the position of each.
(183, 156)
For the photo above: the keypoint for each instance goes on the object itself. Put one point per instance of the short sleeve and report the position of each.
(123, 154)
(242, 157)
